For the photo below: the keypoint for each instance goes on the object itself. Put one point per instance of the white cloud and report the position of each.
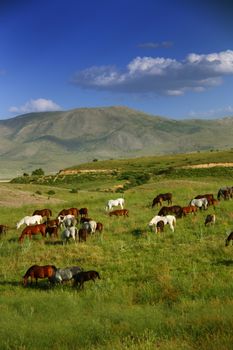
(39, 105)
(160, 75)
(213, 113)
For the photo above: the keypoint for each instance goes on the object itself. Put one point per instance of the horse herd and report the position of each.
(167, 215)
(41, 222)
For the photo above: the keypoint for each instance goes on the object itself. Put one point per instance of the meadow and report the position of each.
(157, 291)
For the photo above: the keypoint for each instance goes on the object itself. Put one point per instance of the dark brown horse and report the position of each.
(33, 230)
(158, 200)
(43, 212)
(36, 271)
(229, 238)
(71, 211)
(3, 229)
(83, 212)
(174, 209)
(84, 276)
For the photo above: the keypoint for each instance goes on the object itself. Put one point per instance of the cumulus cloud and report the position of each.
(39, 105)
(159, 75)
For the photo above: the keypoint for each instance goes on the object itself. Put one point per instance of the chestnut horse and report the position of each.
(71, 211)
(36, 271)
(119, 212)
(43, 212)
(33, 230)
(189, 209)
(162, 197)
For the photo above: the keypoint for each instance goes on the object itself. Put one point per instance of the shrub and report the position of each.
(51, 192)
(38, 172)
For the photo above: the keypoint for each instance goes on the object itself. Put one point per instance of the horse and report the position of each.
(33, 230)
(72, 211)
(67, 220)
(168, 220)
(208, 196)
(189, 209)
(66, 274)
(3, 229)
(200, 203)
(52, 230)
(210, 219)
(83, 212)
(84, 276)
(225, 193)
(69, 232)
(36, 271)
(99, 227)
(174, 209)
(90, 226)
(82, 234)
(53, 222)
(229, 238)
(119, 212)
(43, 212)
(162, 197)
(30, 220)
(114, 203)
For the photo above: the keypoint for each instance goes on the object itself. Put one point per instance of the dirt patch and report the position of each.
(208, 165)
(17, 198)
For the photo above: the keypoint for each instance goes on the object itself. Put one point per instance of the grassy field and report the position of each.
(165, 291)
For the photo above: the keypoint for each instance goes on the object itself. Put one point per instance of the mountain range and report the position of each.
(55, 140)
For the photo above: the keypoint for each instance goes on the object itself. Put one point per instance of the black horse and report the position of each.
(162, 197)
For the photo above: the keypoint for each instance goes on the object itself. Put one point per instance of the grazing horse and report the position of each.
(162, 197)
(90, 226)
(43, 212)
(119, 212)
(30, 220)
(82, 234)
(71, 211)
(36, 271)
(3, 229)
(174, 209)
(69, 232)
(200, 203)
(67, 220)
(225, 193)
(208, 196)
(84, 276)
(99, 227)
(33, 230)
(167, 220)
(189, 209)
(83, 212)
(52, 230)
(63, 275)
(229, 238)
(114, 203)
(210, 219)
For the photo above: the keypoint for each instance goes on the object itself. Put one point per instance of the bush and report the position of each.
(38, 172)
(51, 192)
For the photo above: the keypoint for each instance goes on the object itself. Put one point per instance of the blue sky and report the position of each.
(172, 58)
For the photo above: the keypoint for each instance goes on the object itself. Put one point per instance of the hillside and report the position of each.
(55, 140)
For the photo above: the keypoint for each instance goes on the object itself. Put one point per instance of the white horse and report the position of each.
(90, 226)
(69, 232)
(168, 220)
(67, 220)
(114, 203)
(30, 220)
(200, 203)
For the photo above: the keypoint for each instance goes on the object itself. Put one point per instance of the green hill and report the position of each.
(55, 140)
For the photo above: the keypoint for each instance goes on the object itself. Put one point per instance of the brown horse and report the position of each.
(3, 229)
(33, 230)
(119, 212)
(43, 212)
(71, 211)
(84, 276)
(174, 209)
(83, 212)
(162, 197)
(189, 209)
(36, 271)
(229, 238)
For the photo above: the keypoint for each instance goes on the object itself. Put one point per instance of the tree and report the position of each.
(38, 171)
